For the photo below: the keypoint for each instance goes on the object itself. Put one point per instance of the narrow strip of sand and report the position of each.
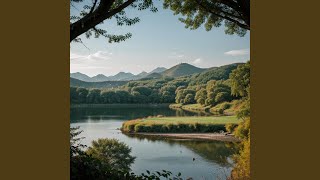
(203, 136)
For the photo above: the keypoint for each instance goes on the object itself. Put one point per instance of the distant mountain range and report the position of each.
(182, 69)
(121, 76)
(202, 76)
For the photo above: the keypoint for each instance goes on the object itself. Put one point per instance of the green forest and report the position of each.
(223, 90)
(207, 88)
(222, 87)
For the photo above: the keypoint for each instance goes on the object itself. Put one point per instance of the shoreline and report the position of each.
(116, 105)
(198, 136)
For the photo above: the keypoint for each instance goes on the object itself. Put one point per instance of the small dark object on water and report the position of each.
(193, 159)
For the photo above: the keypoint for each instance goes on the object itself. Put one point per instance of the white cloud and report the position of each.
(197, 61)
(99, 55)
(92, 64)
(74, 56)
(240, 52)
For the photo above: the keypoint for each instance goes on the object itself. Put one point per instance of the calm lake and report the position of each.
(212, 158)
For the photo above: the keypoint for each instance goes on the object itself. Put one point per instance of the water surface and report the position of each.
(193, 158)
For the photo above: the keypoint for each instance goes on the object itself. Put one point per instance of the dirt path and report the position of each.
(204, 136)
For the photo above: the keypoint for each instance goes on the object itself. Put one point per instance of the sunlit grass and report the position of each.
(180, 124)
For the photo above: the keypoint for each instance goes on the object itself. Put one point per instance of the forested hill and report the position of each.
(209, 87)
(182, 69)
(215, 73)
(105, 84)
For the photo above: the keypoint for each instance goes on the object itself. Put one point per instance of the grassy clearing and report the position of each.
(175, 106)
(195, 107)
(190, 124)
(225, 108)
(190, 107)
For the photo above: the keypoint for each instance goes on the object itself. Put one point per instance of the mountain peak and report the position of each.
(80, 76)
(182, 69)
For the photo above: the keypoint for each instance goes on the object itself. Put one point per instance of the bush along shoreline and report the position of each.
(178, 125)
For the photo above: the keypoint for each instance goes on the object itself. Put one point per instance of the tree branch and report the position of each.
(102, 13)
(245, 6)
(93, 6)
(244, 26)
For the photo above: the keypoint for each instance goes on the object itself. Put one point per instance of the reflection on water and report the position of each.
(212, 151)
(193, 158)
(125, 112)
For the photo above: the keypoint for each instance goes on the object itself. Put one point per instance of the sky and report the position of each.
(158, 40)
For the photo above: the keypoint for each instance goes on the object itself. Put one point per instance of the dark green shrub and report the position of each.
(243, 130)
(165, 128)
(230, 127)
(138, 128)
(131, 127)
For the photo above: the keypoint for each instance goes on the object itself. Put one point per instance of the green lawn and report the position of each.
(192, 119)
(185, 124)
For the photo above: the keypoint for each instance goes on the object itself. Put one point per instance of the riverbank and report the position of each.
(118, 105)
(186, 136)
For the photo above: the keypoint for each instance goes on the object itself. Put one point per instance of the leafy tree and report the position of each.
(217, 73)
(221, 97)
(142, 90)
(201, 96)
(181, 96)
(124, 96)
(189, 99)
(168, 93)
(217, 92)
(98, 11)
(84, 166)
(211, 13)
(109, 97)
(112, 153)
(179, 88)
(154, 97)
(138, 98)
(241, 170)
(82, 95)
(240, 80)
(73, 95)
(167, 97)
(94, 96)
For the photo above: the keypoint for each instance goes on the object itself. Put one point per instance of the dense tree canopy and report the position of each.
(106, 159)
(207, 88)
(98, 11)
(211, 13)
(234, 13)
(240, 80)
(112, 153)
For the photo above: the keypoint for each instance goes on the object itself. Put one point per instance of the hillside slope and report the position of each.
(104, 84)
(182, 69)
(215, 73)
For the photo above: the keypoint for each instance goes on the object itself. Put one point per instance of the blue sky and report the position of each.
(158, 40)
